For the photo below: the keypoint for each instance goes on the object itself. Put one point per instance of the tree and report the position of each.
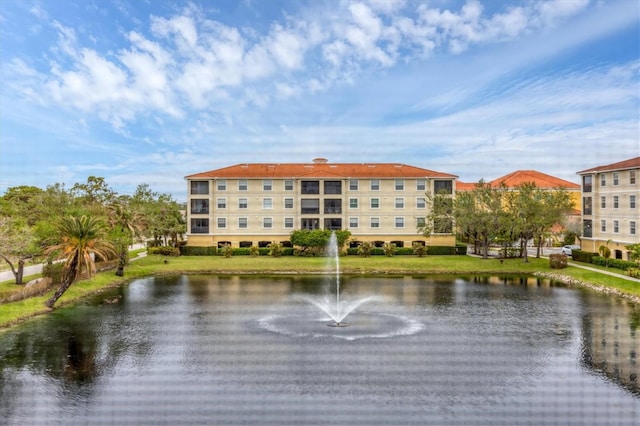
(480, 215)
(81, 238)
(634, 252)
(17, 243)
(125, 225)
(605, 252)
(314, 241)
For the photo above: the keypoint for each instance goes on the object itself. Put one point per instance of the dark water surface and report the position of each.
(249, 350)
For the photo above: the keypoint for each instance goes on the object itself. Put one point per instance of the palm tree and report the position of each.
(126, 224)
(81, 238)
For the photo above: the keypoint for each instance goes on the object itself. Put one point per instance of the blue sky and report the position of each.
(150, 91)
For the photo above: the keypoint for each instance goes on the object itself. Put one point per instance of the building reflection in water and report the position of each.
(610, 342)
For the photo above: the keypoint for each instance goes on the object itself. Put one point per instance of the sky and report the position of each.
(148, 92)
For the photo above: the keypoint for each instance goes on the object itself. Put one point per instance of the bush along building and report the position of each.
(610, 212)
(248, 205)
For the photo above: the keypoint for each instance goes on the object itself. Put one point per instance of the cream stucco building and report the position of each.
(610, 212)
(256, 204)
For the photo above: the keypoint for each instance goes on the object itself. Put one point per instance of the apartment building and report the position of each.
(610, 213)
(256, 204)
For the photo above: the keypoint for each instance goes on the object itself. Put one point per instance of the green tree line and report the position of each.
(83, 222)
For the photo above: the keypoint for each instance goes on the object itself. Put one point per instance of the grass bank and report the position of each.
(15, 312)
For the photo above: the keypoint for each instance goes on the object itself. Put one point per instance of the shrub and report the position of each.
(614, 263)
(582, 256)
(164, 251)
(634, 272)
(254, 251)
(461, 249)
(558, 261)
(389, 249)
(53, 271)
(227, 251)
(364, 249)
(419, 250)
(275, 249)
(198, 251)
(441, 250)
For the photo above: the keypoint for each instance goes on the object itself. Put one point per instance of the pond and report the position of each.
(257, 350)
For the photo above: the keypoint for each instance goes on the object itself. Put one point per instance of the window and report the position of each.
(399, 184)
(587, 183)
(200, 187)
(632, 201)
(616, 177)
(616, 226)
(243, 185)
(587, 228)
(603, 179)
(333, 224)
(375, 203)
(267, 203)
(310, 206)
(267, 222)
(333, 206)
(603, 202)
(310, 187)
(399, 222)
(586, 206)
(222, 184)
(375, 185)
(243, 203)
(332, 187)
(421, 185)
(242, 223)
(353, 222)
(353, 184)
(199, 206)
(375, 222)
(443, 187)
(199, 226)
(288, 222)
(615, 202)
(632, 227)
(288, 203)
(603, 225)
(288, 185)
(267, 185)
(399, 203)
(310, 223)
(222, 222)
(222, 203)
(632, 177)
(421, 203)
(421, 222)
(353, 203)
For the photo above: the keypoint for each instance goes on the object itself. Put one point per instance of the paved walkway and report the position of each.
(37, 269)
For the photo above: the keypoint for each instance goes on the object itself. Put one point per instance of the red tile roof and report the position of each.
(541, 180)
(519, 177)
(632, 163)
(321, 170)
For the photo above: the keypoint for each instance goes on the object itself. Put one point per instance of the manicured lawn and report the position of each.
(11, 313)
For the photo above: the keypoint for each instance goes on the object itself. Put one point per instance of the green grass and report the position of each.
(14, 312)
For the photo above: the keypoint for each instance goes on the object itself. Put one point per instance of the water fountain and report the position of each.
(335, 306)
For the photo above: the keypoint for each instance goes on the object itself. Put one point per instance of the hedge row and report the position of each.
(459, 249)
(613, 263)
(583, 256)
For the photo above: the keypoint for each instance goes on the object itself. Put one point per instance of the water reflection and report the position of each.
(191, 349)
(609, 342)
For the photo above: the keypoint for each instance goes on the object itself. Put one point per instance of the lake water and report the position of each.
(255, 350)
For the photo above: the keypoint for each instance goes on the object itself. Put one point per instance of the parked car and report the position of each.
(568, 249)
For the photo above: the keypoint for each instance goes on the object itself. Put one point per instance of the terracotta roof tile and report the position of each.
(318, 170)
(519, 177)
(541, 180)
(632, 163)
